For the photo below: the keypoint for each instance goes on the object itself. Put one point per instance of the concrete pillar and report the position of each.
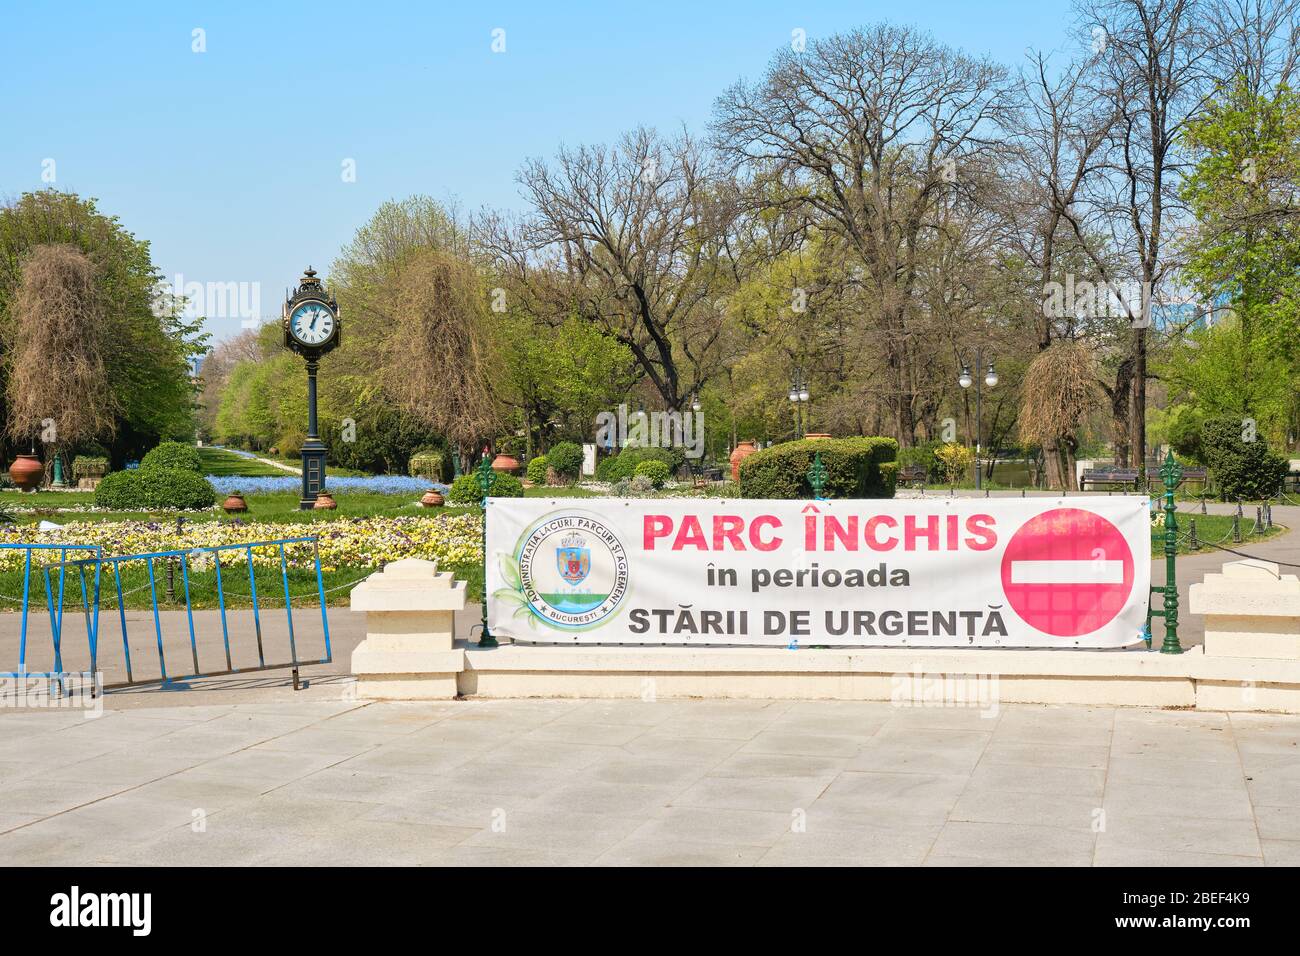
(1251, 610)
(409, 651)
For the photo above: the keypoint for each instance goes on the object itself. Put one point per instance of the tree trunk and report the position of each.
(1121, 399)
(1052, 465)
(1138, 428)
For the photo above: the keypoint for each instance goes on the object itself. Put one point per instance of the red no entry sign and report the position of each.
(1067, 572)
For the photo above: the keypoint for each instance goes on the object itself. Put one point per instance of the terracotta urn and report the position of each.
(234, 504)
(505, 464)
(432, 499)
(742, 451)
(27, 472)
(324, 502)
(818, 435)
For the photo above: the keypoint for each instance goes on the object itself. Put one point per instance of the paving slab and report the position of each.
(313, 781)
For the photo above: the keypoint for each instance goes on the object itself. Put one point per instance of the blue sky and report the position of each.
(230, 161)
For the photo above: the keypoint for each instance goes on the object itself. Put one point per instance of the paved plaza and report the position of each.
(314, 780)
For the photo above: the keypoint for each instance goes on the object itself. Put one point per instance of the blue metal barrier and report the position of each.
(91, 571)
(63, 549)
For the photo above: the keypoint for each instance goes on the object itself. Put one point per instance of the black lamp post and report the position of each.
(798, 397)
(965, 380)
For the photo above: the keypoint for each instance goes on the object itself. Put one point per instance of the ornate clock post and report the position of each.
(312, 329)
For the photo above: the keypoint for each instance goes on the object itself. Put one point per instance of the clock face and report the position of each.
(311, 323)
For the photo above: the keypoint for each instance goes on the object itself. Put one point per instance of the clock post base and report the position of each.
(313, 472)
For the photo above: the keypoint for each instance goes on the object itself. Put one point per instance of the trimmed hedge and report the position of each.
(156, 488)
(428, 463)
(855, 468)
(565, 459)
(465, 489)
(173, 454)
(120, 491)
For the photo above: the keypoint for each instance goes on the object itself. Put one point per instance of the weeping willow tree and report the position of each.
(1059, 391)
(435, 348)
(58, 387)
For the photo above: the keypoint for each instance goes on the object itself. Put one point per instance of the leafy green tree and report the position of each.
(148, 344)
(1245, 193)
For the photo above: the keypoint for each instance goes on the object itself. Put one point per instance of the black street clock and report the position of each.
(311, 328)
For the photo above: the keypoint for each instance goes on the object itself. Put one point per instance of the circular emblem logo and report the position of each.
(572, 570)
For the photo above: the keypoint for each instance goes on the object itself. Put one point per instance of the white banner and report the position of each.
(939, 572)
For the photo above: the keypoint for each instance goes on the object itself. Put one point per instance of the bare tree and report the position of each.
(633, 238)
(867, 131)
(1155, 71)
(426, 327)
(1060, 129)
(1257, 41)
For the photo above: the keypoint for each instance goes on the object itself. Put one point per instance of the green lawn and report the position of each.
(218, 461)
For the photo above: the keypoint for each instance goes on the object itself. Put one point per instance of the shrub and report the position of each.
(1184, 430)
(150, 489)
(623, 465)
(956, 461)
(89, 466)
(1241, 469)
(853, 468)
(655, 471)
(1220, 436)
(465, 489)
(173, 454)
(565, 459)
(923, 454)
(120, 491)
(176, 488)
(289, 445)
(1252, 472)
(643, 484)
(537, 470)
(426, 463)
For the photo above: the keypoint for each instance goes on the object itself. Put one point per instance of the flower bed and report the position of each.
(347, 542)
(377, 484)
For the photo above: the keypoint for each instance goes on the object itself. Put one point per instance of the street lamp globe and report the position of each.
(794, 394)
(803, 394)
(991, 378)
(695, 403)
(964, 380)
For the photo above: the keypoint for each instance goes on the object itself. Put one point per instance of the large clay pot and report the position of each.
(27, 472)
(742, 451)
(324, 502)
(432, 498)
(505, 464)
(234, 504)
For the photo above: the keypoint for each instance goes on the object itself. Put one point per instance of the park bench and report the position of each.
(912, 474)
(1189, 474)
(1112, 476)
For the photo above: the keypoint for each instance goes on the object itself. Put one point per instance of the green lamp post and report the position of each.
(817, 476)
(1171, 473)
(485, 477)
